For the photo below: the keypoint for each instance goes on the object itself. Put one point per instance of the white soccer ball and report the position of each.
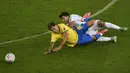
(10, 57)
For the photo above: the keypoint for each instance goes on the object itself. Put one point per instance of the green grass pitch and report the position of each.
(21, 18)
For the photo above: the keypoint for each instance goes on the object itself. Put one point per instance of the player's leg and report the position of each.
(101, 39)
(84, 27)
(86, 15)
(105, 39)
(109, 25)
(86, 38)
(90, 22)
(99, 34)
(87, 25)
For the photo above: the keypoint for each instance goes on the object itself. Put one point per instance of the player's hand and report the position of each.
(46, 53)
(56, 49)
(49, 52)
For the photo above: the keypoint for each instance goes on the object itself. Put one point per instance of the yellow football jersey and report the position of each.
(72, 35)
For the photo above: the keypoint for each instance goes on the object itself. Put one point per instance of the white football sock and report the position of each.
(110, 25)
(101, 39)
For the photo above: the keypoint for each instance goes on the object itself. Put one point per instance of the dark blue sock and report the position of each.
(87, 19)
(97, 36)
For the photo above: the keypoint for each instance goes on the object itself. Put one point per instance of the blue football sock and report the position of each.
(87, 19)
(97, 36)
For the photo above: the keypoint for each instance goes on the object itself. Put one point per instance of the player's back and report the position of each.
(72, 34)
(77, 19)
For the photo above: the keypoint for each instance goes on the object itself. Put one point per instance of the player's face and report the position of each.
(65, 19)
(55, 29)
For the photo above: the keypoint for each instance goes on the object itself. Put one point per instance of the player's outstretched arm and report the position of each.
(65, 34)
(50, 50)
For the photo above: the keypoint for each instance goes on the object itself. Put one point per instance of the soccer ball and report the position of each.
(10, 58)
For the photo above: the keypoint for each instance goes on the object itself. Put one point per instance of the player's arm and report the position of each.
(50, 50)
(71, 24)
(51, 47)
(65, 34)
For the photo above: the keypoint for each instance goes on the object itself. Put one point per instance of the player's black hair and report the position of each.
(64, 14)
(50, 25)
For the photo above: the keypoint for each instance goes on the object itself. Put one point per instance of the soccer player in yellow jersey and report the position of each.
(69, 36)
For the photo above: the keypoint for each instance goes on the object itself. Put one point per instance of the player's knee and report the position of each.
(101, 23)
(94, 38)
(90, 23)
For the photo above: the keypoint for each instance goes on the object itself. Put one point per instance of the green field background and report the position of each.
(22, 18)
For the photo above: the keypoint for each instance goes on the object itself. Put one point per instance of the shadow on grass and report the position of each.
(4, 62)
(1, 61)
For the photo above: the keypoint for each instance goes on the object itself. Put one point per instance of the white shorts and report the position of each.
(94, 29)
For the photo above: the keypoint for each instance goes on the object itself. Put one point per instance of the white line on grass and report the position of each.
(34, 36)
(25, 38)
(104, 9)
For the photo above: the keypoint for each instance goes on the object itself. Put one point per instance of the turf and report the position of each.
(21, 18)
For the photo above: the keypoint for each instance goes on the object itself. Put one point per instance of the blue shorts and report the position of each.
(82, 29)
(83, 38)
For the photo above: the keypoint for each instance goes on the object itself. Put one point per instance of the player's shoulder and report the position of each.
(63, 27)
(54, 34)
(61, 24)
(75, 17)
(72, 15)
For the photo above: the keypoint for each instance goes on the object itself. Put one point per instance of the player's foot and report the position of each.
(114, 38)
(103, 31)
(123, 29)
(86, 15)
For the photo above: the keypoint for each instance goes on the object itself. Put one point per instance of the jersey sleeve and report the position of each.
(63, 28)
